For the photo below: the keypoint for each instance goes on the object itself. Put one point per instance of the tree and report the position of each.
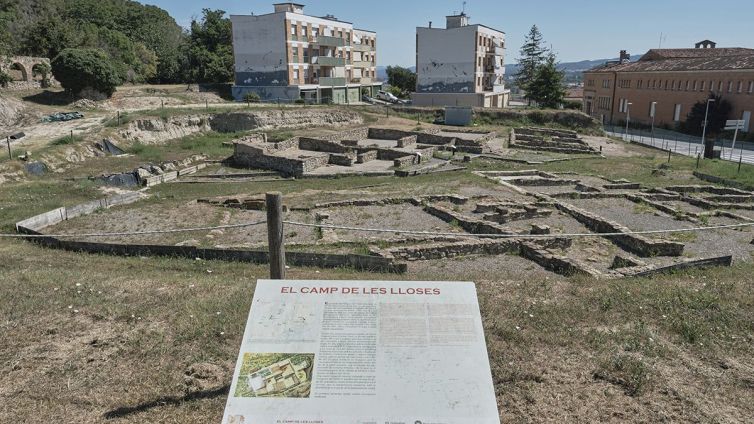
(79, 69)
(547, 87)
(402, 78)
(719, 111)
(5, 79)
(210, 49)
(533, 55)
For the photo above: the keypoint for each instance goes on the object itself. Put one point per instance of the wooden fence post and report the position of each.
(274, 203)
(10, 155)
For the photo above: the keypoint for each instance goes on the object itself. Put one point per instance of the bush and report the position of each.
(79, 69)
(572, 105)
(300, 101)
(5, 79)
(252, 98)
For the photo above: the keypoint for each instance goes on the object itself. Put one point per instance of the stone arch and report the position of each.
(18, 72)
(36, 72)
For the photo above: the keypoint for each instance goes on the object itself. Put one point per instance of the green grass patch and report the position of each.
(66, 140)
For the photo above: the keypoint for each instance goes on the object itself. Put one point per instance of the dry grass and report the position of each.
(87, 336)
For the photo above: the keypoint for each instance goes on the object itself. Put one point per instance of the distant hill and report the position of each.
(572, 69)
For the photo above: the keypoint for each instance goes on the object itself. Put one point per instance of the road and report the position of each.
(690, 147)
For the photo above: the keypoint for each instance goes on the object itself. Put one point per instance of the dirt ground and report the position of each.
(96, 338)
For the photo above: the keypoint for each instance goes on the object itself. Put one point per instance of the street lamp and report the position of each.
(704, 131)
(653, 108)
(628, 116)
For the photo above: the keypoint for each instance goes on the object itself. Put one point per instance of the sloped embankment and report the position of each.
(159, 130)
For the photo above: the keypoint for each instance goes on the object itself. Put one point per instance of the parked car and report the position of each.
(367, 99)
(386, 96)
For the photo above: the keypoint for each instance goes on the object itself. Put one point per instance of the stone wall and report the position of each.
(320, 145)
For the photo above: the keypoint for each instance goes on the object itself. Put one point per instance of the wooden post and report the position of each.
(698, 156)
(740, 159)
(10, 155)
(71, 136)
(669, 153)
(274, 202)
(118, 118)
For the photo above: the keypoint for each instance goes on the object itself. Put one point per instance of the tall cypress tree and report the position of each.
(547, 89)
(532, 57)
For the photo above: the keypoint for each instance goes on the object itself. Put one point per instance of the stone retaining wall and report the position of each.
(39, 222)
(317, 145)
(636, 244)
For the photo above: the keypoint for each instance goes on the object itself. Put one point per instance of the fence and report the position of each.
(683, 144)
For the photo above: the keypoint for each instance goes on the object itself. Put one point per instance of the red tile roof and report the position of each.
(723, 59)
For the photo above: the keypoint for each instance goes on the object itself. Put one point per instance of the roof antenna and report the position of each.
(463, 10)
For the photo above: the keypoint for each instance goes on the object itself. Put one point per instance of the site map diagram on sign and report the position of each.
(363, 352)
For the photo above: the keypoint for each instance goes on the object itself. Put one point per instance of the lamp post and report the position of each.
(628, 116)
(653, 109)
(704, 131)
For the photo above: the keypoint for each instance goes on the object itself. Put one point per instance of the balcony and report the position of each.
(332, 81)
(362, 64)
(323, 40)
(362, 80)
(362, 48)
(328, 61)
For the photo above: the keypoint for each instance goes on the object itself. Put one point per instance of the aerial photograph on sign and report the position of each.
(470, 211)
(275, 375)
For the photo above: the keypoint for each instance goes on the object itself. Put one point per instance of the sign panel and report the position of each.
(734, 124)
(362, 352)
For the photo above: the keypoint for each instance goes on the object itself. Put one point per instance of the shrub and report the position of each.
(252, 98)
(80, 69)
(5, 79)
(300, 101)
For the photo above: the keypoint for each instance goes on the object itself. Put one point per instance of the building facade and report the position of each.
(287, 55)
(460, 65)
(669, 82)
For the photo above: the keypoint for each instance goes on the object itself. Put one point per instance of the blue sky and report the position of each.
(576, 29)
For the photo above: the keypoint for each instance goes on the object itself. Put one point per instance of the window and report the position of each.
(730, 86)
(751, 87)
(654, 84)
(702, 89)
(740, 87)
(687, 86)
(603, 103)
(304, 30)
(695, 84)
(605, 83)
(295, 74)
(652, 107)
(294, 29)
(672, 86)
(666, 84)
(624, 83)
(639, 84)
(677, 113)
(590, 83)
(720, 87)
(306, 75)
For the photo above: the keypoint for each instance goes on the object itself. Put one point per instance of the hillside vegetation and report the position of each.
(143, 43)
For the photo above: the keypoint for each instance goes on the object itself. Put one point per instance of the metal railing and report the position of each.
(684, 144)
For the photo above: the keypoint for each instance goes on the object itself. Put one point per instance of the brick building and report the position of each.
(675, 79)
(288, 55)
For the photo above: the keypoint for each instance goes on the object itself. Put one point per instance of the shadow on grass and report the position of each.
(124, 411)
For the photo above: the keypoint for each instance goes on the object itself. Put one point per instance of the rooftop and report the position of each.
(696, 59)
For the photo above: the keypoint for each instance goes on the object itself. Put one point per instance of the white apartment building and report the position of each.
(460, 65)
(288, 55)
